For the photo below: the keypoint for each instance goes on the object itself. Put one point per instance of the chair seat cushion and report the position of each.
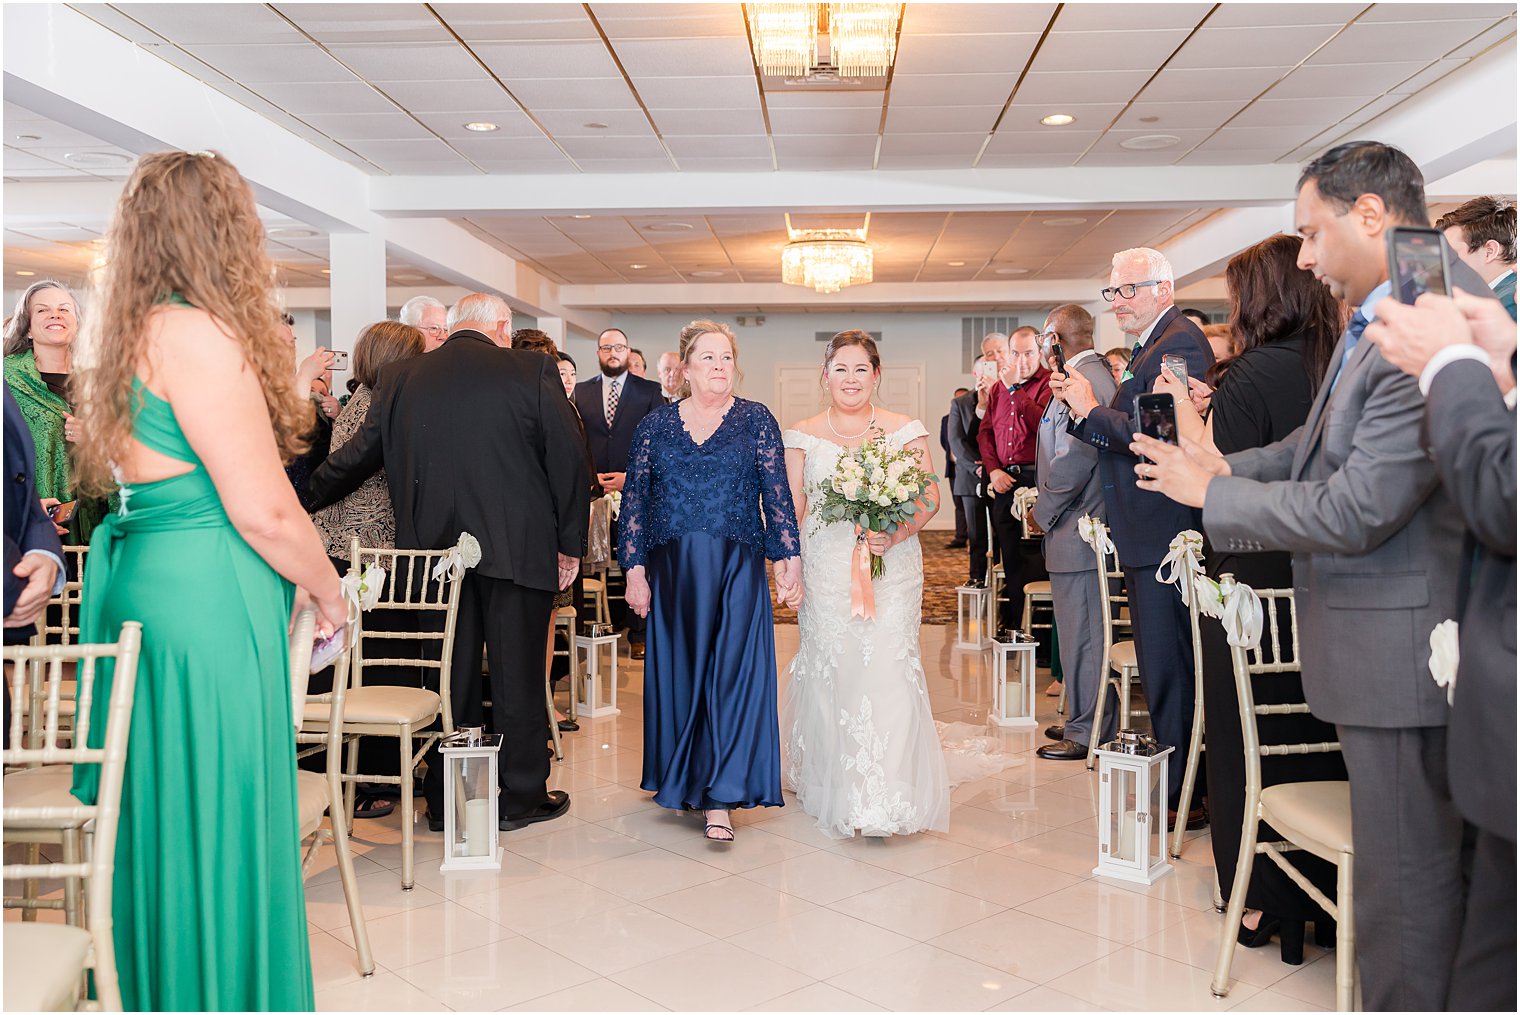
(1037, 589)
(47, 786)
(1315, 815)
(380, 704)
(42, 965)
(1122, 656)
(313, 798)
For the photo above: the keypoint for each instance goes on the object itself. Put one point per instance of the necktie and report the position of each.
(1134, 353)
(612, 399)
(1353, 335)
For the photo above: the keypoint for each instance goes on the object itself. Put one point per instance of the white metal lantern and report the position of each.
(470, 840)
(1132, 809)
(997, 588)
(1013, 681)
(592, 647)
(971, 613)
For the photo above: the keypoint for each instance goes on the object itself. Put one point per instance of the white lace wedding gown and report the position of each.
(859, 743)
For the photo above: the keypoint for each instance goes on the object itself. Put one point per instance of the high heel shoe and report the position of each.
(1291, 934)
(1324, 933)
(1261, 935)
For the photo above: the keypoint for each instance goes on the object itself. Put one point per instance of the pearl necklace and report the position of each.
(828, 415)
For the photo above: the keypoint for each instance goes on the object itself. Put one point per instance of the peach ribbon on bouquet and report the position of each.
(862, 597)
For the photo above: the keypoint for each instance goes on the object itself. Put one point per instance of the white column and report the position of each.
(554, 327)
(358, 284)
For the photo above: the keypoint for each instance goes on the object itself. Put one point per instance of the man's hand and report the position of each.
(611, 481)
(41, 574)
(1181, 473)
(1001, 481)
(568, 568)
(1408, 336)
(636, 590)
(1075, 391)
(1034, 526)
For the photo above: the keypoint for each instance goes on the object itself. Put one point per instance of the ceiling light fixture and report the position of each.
(638, 267)
(956, 264)
(28, 137)
(784, 37)
(26, 274)
(1010, 271)
(97, 158)
(481, 126)
(706, 273)
(327, 271)
(1058, 119)
(291, 233)
(667, 227)
(580, 216)
(595, 125)
(1149, 142)
(827, 260)
(1063, 220)
(860, 38)
(863, 38)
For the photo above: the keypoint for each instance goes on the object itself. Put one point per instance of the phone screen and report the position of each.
(1417, 263)
(1157, 414)
(61, 513)
(1177, 365)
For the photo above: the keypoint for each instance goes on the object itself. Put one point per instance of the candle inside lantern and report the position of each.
(477, 827)
(1124, 849)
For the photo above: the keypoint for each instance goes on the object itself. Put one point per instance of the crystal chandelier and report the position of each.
(826, 259)
(861, 37)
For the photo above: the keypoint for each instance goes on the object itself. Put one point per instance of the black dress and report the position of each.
(1264, 396)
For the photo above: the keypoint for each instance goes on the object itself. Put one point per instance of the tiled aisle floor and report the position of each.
(623, 906)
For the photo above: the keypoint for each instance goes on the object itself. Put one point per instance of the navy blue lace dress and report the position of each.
(703, 519)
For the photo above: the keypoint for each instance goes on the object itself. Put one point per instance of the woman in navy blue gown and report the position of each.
(705, 503)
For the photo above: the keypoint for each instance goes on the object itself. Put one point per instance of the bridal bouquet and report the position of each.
(876, 486)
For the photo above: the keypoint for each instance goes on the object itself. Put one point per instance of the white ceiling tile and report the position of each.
(1085, 17)
(685, 58)
(1044, 142)
(1110, 142)
(1026, 160)
(1296, 112)
(257, 64)
(1371, 42)
(1258, 15)
(615, 148)
(1500, 34)
(514, 61)
(478, 93)
(1192, 85)
(233, 23)
(724, 165)
(626, 165)
(16, 114)
(559, 164)
(926, 161)
(1081, 86)
(1242, 157)
(425, 61)
(709, 122)
(390, 22)
(845, 163)
(50, 134)
(505, 21)
(488, 147)
(380, 152)
(1374, 109)
(619, 122)
(753, 147)
(1170, 115)
(118, 22)
(676, 20)
(963, 145)
(1426, 77)
(779, 97)
(368, 126)
(16, 159)
(1089, 115)
(589, 93)
(1282, 139)
(1366, 79)
(824, 145)
(934, 54)
(942, 119)
(684, 93)
(953, 89)
(825, 121)
(1437, 12)
(337, 97)
(1277, 46)
(1119, 49)
(976, 19)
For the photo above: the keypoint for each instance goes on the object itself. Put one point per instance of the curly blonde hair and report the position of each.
(186, 227)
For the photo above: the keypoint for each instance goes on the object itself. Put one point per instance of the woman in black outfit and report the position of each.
(1287, 324)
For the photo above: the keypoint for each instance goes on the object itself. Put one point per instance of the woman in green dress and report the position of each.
(39, 345)
(187, 401)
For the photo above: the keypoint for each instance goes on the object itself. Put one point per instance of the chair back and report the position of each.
(1273, 654)
(22, 664)
(66, 630)
(327, 734)
(409, 585)
(1111, 594)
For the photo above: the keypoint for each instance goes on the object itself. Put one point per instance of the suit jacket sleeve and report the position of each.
(962, 444)
(1471, 436)
(1071, 461)
(564, 461)
(35, 533)
(347, 468)
(1113, 427)
(1271, 463)
(1371, 496)
(986, 434)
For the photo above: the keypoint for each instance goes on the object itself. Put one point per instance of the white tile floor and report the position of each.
(622, 906)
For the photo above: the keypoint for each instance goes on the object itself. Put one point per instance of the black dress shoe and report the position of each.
(1196, 819)
(557, 804)
(976, 583)
(434, 824)
(956, 544)
(568, 725)
(1056, 732)
(636, 650)
(1066, 750)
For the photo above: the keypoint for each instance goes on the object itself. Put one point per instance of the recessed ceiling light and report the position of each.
(1010, 271)
(97, 158)
(580, 216)
(667, 227)
(26, 274)
(1063, 220)
(1150, 119)
(595, 125)
(327, 271)
(636, 267)
(481, 126)
(706, 273)
(956, 264)
(1149, 142)
(28, 137)
(292, 232)
(1058, 119)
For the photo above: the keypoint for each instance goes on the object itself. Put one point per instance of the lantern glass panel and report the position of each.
(473, 787)
(1121, 814)
(1156, 830)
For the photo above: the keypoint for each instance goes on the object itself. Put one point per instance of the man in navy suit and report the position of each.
(611, 405)
(1143, 523)
(33, 554)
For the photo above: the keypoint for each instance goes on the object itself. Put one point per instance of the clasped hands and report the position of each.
(788, 575)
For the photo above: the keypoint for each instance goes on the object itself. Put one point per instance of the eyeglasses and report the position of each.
(433, 329)
(619, 347)
(1127, 290)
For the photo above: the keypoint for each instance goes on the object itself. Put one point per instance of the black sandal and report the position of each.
(366, 806)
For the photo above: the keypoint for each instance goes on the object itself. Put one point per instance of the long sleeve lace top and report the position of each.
(732, 486)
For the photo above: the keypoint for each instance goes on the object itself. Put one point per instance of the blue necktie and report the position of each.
(1353, 335)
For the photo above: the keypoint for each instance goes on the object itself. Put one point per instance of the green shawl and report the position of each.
(43, 411)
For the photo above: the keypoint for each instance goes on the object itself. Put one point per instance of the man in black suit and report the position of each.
(1143, 523)
(1457, 348)
(968, 482)
(33, 554)
(611, 404)
(479, 438)
(959, 539)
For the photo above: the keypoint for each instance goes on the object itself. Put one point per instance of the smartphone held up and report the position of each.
(1419, 261)
(1157, 416)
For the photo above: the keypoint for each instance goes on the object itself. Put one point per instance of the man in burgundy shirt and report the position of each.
(1007, 440)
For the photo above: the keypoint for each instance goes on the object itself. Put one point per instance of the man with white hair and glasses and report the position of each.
(428, 316)
(1143, 523)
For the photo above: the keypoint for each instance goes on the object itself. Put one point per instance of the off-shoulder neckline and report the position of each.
(851, 447)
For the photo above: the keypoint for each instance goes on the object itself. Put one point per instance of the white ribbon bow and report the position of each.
(1444, 655)
(1183, 564)
(1023, 499)
(1091, 530)
(615, 502)
(1236, 605)
(464, 555)
(363, 590)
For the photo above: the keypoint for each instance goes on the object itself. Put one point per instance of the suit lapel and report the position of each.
(1321, 410)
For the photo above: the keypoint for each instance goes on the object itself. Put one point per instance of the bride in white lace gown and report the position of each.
(859, 744)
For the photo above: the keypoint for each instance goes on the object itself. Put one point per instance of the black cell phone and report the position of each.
(1157, 415)
(1419, 261)
(1059, 355)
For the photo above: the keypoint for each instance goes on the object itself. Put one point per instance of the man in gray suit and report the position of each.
(1070, 488)
(1456, 347)
(1376, 551)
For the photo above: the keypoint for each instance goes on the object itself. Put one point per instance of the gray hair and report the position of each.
(480, 308)
(411, 310)
(18, 336)
(1156, 264)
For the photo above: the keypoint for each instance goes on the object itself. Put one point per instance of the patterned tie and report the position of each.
(1353, 335)
(612, 399)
